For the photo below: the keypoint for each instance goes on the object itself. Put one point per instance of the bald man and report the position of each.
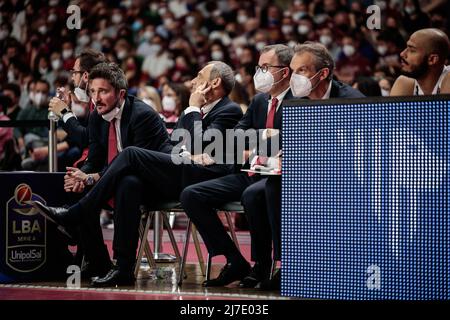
(423, 65)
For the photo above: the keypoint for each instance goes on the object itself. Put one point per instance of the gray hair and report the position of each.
(321, 55)
(112, 73)
(225, 73)
(283, 53)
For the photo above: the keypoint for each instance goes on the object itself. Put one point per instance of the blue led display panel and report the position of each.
(365, 199)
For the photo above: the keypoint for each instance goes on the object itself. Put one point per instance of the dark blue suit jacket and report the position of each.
(140, 126)
(342, 90)
(255, 118)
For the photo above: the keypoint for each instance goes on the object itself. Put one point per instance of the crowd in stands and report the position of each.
(161, 45)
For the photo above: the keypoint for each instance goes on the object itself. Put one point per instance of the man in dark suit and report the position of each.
(154, 176)
(200, 200)
(312, 69)
(117, 122)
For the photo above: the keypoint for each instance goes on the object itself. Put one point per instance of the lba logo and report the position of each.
(26, 231)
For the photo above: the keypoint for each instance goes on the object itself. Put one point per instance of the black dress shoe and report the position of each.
(57, 215)
(115, 277)
(230, 272)
(273, 284)
(259, 272)
(92, 270)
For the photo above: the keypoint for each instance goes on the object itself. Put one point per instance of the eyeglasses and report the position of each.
(75, 71)
(266, 67)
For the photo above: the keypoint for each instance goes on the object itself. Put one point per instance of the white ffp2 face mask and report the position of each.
(168, 104)
(301, 85)
(81, 94)
(264, 81)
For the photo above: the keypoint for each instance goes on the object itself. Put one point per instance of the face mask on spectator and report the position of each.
(156, 48)
(84, 40)
(259, 45)
(81, 94)
(11, 76)
(168, 22)
(136, 26)
(238, 78)
(326, 39)
(301, 85)
(217, 55)
(51, 18)
(382, 50)
(239, 51)
(3, 34)
(43, 71)
(286, 29)
(116, 18)
(320, 18)
(241, 18)
(410, 9)
(56, 64)
(53, 3)
(121, 54)
(264, 81)
(303, 29)
(78, 110)
(384, 93)
(298, 15)
(147, 35)
(67, 53)
(168, 104)
(42, 29)
(348, 50)
(40, 99)
(190, 20)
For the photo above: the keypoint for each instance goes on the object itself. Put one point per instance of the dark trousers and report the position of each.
(200, 201)
(262, 204)
(134, 177)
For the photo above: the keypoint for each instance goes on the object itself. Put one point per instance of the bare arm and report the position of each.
(403, 86)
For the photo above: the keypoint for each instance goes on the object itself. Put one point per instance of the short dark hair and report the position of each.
(12, 87)
(112, 73)
(89, 58)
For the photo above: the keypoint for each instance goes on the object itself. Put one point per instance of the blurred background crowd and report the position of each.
(162, 44)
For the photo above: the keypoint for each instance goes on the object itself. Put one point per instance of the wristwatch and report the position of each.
(64, 111)
(90, 180)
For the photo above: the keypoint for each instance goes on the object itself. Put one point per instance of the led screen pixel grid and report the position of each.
(365, 200)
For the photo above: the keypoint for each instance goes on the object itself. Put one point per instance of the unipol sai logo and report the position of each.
(25, 231)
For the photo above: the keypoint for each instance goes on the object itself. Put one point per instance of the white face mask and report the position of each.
(384, 93)
(217, 55)
(241, 19)
(382, 50)
(326, 39)
(286, 29)
(264, 81)
(56, 64)
(348, 50)
(121, 54)
(11, 76)
(83, 40)
(81, 94)
(3, 34)
(40, 99)
(260, 45)
(147, 35)
(78, 110)
(301, 86)
(67, 53)
(116, 18)
(168, 104)
(303, 29)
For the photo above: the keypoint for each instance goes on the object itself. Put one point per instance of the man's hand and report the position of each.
(198, 97)
(56, 105)
(77, 174)
(203, 159)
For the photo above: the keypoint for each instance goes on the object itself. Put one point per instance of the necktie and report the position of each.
(112, 141)
(271, 114)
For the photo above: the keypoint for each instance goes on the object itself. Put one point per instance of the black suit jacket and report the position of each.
(342, 90)
(255, 118)
(140, 126)
(224, 115)
(77, 131)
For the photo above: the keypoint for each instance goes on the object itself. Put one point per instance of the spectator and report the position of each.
(175, 97)
(12, 91)
(367, 86)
